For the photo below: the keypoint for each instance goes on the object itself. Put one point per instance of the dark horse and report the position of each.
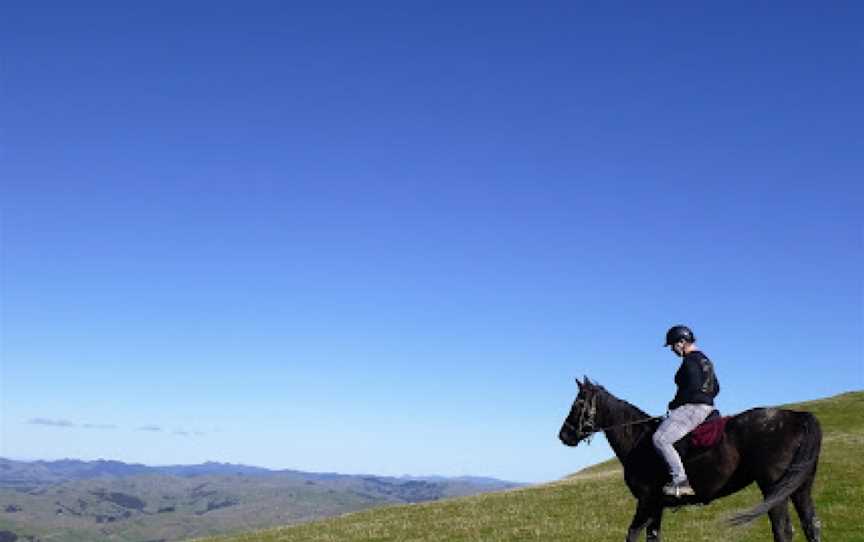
(777, 449)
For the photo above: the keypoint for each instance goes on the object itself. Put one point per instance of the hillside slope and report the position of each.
(594, 505)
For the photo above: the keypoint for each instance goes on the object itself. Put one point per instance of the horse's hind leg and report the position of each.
(781, 524)
(803, 502)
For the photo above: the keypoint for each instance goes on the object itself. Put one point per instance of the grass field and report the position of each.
(594, 505)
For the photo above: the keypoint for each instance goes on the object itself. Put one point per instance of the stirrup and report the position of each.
(678, 490)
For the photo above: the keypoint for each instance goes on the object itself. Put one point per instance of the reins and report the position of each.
(634, 422)
(586, 421)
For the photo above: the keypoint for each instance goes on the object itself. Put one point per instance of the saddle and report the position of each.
(706, 435)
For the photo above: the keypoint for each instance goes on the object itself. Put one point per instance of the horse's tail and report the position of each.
(803, 466)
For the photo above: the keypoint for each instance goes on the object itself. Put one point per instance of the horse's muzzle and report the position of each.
(568, 437)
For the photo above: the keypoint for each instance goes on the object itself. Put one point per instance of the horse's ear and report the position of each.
(578, 383)
(588, 382)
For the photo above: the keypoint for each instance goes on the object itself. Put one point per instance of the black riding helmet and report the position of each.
(676, 333)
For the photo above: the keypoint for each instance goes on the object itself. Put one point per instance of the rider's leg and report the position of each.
(681, 421)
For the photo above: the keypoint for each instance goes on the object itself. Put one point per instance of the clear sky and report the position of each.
(385, 237)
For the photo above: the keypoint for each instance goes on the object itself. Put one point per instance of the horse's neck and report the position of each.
(622, 435)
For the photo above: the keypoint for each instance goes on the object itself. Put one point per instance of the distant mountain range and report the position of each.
(72, 500)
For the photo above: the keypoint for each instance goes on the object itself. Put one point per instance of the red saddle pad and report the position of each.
(709, 433)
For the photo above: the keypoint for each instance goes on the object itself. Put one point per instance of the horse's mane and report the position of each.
(615, 404)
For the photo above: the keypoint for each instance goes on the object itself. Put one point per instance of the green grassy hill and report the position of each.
(594, 505)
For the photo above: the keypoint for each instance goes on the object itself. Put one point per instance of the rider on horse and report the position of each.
(693, 402)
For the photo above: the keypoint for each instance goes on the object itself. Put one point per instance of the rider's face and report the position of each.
(678, 348)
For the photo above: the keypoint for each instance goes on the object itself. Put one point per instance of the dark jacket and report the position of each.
(696, 381)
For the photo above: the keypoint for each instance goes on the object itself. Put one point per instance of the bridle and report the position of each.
(586, 428)
(585, 424)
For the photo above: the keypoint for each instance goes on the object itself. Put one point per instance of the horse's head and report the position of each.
(581, 421)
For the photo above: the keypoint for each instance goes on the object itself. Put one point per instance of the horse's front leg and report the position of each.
(653, 528)
(648, 514)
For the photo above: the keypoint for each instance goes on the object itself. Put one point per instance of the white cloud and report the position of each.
(50, 422)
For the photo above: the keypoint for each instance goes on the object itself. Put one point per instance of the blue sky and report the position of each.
(385, 239)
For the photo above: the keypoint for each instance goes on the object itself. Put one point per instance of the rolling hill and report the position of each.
(594, 504)
(72, 500)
